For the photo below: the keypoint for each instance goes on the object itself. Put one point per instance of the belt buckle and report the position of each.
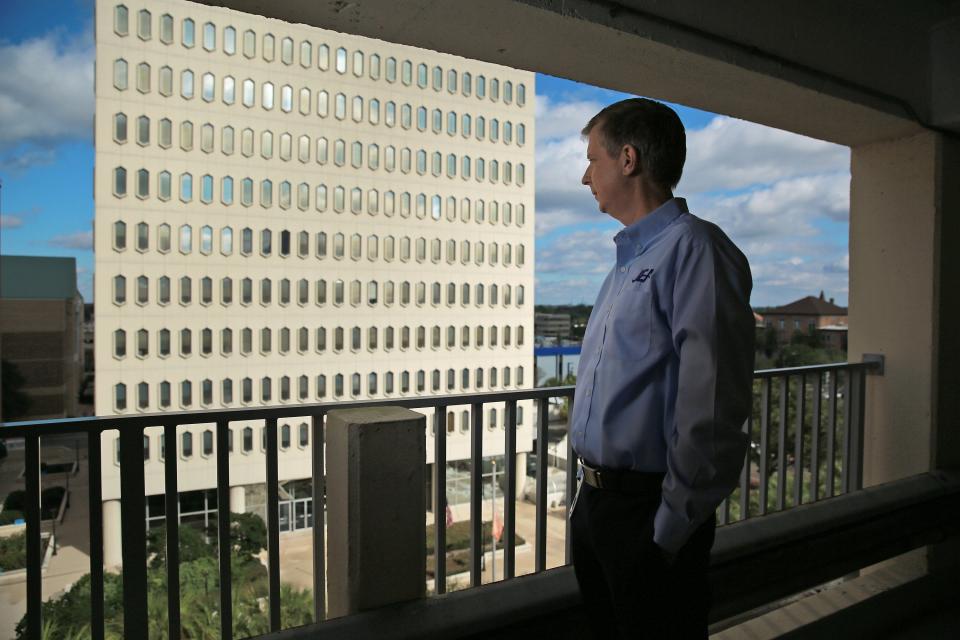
(593, 475)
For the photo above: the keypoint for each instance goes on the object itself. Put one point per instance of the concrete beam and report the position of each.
(585, 40)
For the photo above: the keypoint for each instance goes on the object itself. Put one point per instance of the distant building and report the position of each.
(41, 315)
(807, 314)
(552, 324)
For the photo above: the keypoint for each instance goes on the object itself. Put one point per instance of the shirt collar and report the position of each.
(633, 239)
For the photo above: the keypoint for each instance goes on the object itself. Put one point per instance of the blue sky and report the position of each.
(783, 198)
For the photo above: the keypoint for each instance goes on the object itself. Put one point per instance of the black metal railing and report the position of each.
(813, 430)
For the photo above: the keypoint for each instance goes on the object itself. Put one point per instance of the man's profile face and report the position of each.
(604, 174)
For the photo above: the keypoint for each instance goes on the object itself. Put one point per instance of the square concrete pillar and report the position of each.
(376, 532)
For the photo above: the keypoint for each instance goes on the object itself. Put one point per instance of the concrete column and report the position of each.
(521, 472)
(375, 507)
(112, 536)
(893, 281)
(238, 500)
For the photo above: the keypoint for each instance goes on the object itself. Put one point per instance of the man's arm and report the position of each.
(713, 333)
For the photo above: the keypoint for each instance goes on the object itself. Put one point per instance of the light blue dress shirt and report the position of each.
(666, 368)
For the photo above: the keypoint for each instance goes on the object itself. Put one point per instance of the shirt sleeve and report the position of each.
(713, 334)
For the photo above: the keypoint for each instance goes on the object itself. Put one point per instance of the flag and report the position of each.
(497, 526)
(449, 515)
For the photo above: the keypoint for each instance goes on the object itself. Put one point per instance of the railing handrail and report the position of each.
(140, 420)
(156, 419)
(867, 365)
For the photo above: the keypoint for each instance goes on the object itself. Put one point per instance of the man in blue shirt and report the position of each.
(663, 387)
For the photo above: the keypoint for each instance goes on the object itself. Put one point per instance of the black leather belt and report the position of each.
(627, 481)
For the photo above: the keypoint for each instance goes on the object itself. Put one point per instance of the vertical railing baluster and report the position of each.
(273, 524)
(510, 492)
(571, 483)
(172, 522)
(440, 499)
(133, 530)
(832, 434)
(476, 492)
(798, 440)
(540, 547)
(857, 401)
(845, 450)
(815, 438)
(745, 472)
(782, 442)
(34, 555)
(95, 514)
(765, 399)
(223, 530)
(319, 519)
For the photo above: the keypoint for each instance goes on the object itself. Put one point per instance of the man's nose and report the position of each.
(586, 178)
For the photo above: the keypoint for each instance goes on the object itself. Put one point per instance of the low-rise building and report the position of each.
(808, 314)
(41, 316)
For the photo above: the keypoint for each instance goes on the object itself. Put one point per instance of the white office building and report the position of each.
(286, 214)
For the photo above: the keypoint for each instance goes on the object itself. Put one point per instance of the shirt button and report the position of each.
(622, 269)
(589, 392)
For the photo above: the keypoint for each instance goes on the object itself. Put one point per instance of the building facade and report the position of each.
(286, 214)
(41, 340)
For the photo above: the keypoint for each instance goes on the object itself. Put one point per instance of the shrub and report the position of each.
(13, 552)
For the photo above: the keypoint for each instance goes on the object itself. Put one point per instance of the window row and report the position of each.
(304, 340)
(307, 101)
(339, 245)
(340, 60)
(266, 390)
(354, 292)
(286, 434)
(207, 440)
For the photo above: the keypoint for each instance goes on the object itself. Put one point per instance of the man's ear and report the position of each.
(629, 160)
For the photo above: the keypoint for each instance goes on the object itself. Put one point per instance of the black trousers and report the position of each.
(628, 589)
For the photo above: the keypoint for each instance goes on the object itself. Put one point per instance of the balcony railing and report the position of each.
(822, 406)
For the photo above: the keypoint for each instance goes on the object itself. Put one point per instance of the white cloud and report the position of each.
(10, 221)
(78, 240)
(734, 154)
(46, 91)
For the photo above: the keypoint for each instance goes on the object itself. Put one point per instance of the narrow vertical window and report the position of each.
(121, 20)
(229, 41)
(120, 74)
(188, 33)
(209, 36)
(144, 25)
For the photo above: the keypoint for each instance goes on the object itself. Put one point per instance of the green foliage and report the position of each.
(68, 616)
(13, 552)
(248, 533)
(193, 545)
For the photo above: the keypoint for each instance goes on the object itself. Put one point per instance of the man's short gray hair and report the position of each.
(650, 127)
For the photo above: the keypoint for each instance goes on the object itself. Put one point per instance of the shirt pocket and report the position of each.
(630, 325)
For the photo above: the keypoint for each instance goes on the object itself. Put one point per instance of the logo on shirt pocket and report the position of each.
(643, 276)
